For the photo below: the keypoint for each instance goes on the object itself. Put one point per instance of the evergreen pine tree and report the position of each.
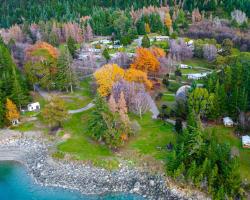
(66, 78)
(178, 125)
(71, 43)
(106, 55)
(145, 42)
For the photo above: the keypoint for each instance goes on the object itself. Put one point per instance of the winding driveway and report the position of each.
(87, 107)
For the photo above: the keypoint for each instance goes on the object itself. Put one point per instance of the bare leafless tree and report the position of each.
(209, 52)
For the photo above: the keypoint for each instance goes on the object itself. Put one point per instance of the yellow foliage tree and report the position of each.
(134, 75)
(158, 52)
(11, 111)
(106, 76)
(145, 61)
(168, 21)
(147, 28)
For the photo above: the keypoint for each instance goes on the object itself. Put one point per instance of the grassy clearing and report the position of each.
(153, 137)
(168, 98)
(226, 135)
(192, 71)
(80, 145)
(196, 62)
(151, 141)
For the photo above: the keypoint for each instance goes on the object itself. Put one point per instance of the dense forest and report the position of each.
(19, 11)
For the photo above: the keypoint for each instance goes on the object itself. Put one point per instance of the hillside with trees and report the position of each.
(163, 86)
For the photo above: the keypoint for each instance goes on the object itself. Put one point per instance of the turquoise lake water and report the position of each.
(15, 184)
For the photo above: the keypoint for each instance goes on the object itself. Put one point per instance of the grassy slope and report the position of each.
(153, 137)
(227, 135)
(80, 144)
(151, 141)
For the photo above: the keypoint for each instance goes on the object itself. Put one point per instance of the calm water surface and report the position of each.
(15, 184)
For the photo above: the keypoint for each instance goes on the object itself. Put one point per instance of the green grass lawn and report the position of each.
(80, 145)
(196, 62)
(192, 71)
(151, 141)
(168, 98)
(153, 137)
(226, 135)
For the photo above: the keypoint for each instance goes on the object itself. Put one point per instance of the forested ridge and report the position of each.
(19, 11)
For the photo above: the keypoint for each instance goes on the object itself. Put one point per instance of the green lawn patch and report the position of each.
(226, 135)
(82, 147)
(197, 62)
(153, 137)
(168, 98)
(192, 71)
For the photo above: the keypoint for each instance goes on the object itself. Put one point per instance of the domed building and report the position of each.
(181, 94)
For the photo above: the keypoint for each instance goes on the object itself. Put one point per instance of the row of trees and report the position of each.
(13, 87)
(15, 11)
(52, 32)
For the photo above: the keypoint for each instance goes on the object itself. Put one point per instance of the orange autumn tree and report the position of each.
(11, 111)
(158, 52)
(135, 75)
(106, 76)
(145, 61)
(52, 51)
(41, 65)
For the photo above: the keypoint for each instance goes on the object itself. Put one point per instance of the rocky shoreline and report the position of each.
(84, 178)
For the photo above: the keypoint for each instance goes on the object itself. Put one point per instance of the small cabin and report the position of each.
(14, 122)
(33, 106)
(183, 66)
(161, 38)
(246, 141)
(228, 122)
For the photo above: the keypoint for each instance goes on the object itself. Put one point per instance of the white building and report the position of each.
(161, 38)
(183, 66)
(246, 141)
(95, 50)
(33, 106)
(15, 122)
(197, 76)
(190, 44)
(105, 41)
(228, 122)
